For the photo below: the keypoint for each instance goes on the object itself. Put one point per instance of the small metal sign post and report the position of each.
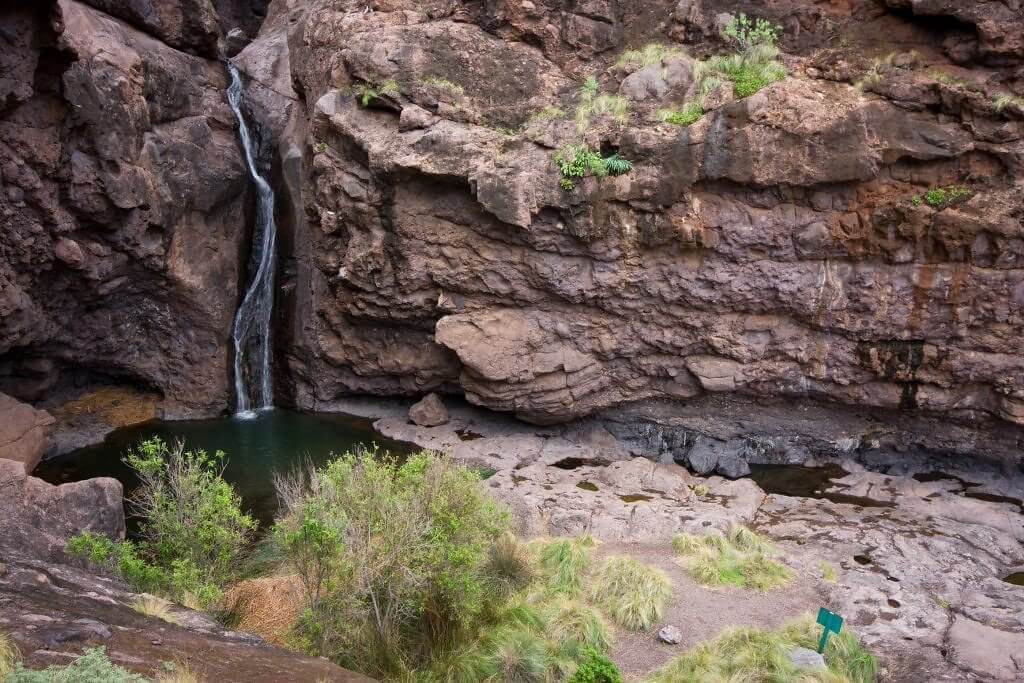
(830, 623)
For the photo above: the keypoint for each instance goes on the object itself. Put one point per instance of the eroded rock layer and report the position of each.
(772, 249)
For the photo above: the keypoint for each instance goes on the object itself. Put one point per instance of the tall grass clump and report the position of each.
(631, 593)
(746, 654)
(742, 559)
(563, 564)
(91, 667)
(592, 104)
(194, 534)
(755, 63)
(8, 656)
(651, 53)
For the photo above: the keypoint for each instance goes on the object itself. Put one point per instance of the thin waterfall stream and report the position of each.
(251, 331)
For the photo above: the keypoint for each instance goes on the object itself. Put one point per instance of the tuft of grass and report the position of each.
(9, 656)
(178, 672)
(563, 565)
(1001, 102)
(631, 593)
(510, 563)
(154, 606)
(700, 490)
(690, 113)
(573, 626)
(652, 53)
(946, 79)
(546, 114)
(91, 666)
(746, 654)
(592, 105)
(880, 66)
(442, 84)
(828, 571)
(941, 197)
(742, 559)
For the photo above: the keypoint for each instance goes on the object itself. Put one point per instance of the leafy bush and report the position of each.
(741, 559)
(755, 64)
(652, 53)
(193, 532)
(578, 161)
(367, 92)
(690, 113)
(596, 668)
(747, 654)
(941, 197)
(91, 667)
(631, 593)
(393, 558)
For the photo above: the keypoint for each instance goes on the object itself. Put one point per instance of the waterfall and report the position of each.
(251, 331)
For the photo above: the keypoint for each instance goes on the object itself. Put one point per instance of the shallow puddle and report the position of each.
(800, 481)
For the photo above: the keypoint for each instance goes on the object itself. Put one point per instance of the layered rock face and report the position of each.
(123, 200)
(771, 251)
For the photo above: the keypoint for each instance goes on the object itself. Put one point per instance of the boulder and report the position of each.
(805, 659)
(429, 411)
(703, 456)
(731, 464)
(670, 634)
(647, 83)
(24, 432)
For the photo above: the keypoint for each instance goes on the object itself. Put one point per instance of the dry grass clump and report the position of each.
(742, 558)
(179, 672)
(511, 564)
(8, 656)
(576, 626)
(746, 654)
(651, 53)
(154, 606)
(631, 593)
(268, 607)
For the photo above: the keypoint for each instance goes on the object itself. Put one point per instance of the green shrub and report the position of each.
(690, 113)
(367, 92)
(91, 667)
(754, 65)
(577, 161)
(631, 593)
(193, 533)
(746, 654)
(742, 559)
(941, 197)
(393, 558)
(652, 53)
(596, 668)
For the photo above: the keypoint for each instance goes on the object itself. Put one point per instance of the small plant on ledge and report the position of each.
(367, 92)
(941, 197)
(579, 161)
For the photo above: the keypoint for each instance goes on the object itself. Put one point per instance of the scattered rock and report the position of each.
(807, 660)
(429, 412)
(647, 83)
(703, 455)
(670, 634)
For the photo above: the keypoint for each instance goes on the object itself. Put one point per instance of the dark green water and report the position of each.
(273, 441)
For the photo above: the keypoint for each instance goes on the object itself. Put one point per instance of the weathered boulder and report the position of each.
(429, 411)
(24, 432)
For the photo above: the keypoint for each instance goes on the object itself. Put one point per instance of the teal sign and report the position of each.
(830, 623)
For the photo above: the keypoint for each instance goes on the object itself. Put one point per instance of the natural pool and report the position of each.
(273, 441)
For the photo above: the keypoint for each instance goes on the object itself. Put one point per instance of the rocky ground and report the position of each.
(919, 565)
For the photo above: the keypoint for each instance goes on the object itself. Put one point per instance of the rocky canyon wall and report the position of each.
(124, 200)
(769, 256)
